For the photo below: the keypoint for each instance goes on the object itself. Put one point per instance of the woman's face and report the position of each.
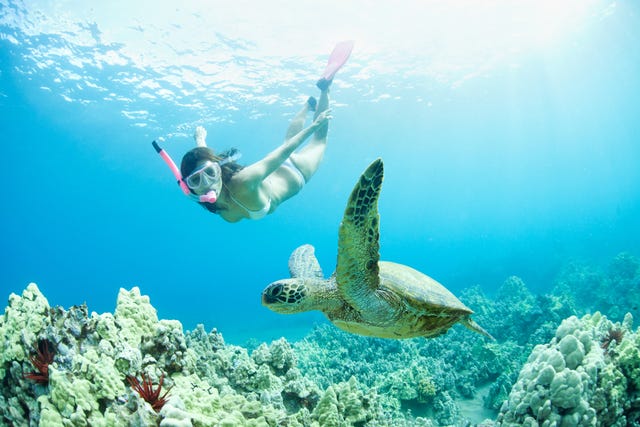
(205, 178)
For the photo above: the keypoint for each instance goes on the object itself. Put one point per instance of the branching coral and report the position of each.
(41, 361)
(146, 391)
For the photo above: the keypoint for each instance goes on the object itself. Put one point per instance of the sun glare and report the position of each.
(235, 45)
(552, 20)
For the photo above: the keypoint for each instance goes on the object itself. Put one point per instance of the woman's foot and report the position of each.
(312, 102)
(323, 84)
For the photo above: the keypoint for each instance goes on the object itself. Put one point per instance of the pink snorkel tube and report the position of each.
(210, 197)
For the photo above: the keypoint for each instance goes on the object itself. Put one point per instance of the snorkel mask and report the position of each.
(206, 179)
(207, 175)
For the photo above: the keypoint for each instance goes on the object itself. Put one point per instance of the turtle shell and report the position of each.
(420, 291)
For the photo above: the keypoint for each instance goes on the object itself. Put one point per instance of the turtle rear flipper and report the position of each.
(469, 323)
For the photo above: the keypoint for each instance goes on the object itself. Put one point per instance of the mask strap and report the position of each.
(232, 158)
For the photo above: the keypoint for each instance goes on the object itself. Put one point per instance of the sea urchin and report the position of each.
(146, 391)
(41, 361)
(614, 334)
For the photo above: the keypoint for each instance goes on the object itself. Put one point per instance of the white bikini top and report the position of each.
(252, 214)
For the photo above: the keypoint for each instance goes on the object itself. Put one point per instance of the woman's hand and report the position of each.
(323, 118)
(200, 136)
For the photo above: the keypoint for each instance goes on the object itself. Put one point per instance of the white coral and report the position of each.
(558, 383)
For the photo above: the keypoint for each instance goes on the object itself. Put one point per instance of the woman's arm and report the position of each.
(259, 170)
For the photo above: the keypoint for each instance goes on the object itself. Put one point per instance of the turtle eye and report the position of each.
(276, 290)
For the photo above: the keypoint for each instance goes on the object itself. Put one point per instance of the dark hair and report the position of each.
(191, 159)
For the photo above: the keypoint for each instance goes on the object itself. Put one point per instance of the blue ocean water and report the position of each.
(511, 142)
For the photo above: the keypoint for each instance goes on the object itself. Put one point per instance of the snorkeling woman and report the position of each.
(236, 192)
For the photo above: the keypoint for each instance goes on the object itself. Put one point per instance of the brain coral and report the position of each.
(577, 380)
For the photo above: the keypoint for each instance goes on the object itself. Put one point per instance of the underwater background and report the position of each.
(510, 134)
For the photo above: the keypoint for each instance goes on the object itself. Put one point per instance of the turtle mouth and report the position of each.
(268, 299)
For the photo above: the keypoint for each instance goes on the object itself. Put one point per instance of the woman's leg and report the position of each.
(323, 104)
(308, 158)
(297, 123)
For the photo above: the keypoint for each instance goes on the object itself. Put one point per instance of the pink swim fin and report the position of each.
(337, 59)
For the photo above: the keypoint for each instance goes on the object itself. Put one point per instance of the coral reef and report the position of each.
(213, 383)
(91, 362)
(66, 367)
(572, 381)
(412, 378)
(604, 290)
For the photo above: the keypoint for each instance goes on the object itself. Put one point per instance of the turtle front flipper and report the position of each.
(358, 240)
(303, 263)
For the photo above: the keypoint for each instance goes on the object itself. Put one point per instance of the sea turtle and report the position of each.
(366, 296)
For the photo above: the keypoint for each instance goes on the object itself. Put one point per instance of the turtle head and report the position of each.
(288, 296)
